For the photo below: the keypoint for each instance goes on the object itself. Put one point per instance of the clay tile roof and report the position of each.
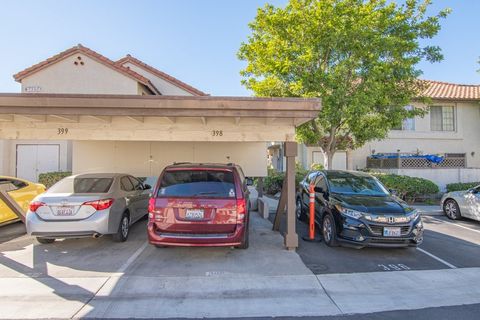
(92, 54)
(160, 74)
(451, 91)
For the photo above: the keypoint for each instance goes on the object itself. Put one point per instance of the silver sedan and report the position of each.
(88, 205)
(462, 204)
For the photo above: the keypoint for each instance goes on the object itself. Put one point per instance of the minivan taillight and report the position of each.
(99, 204)
(151, 208)
(35, 205)
(241, 210)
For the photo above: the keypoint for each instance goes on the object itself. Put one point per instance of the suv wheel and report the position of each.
(299, 210)
(123, 229)
(329, 232)
(45, 240)
(451, 209)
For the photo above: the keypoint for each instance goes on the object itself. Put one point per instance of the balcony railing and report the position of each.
(409, 161)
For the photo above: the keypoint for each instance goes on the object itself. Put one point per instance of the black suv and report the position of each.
(354, 208)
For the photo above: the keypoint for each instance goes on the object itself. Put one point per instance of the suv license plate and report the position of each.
(194, 214)
(391, 232)
(64, 211)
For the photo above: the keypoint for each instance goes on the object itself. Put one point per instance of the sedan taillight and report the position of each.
(99, 204)
(35, 205)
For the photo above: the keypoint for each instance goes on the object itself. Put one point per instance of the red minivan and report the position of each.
(200, 205)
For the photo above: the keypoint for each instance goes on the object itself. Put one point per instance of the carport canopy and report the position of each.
(98, 119)
(152, 118)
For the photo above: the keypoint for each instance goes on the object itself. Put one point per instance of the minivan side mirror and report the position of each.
(147, 187)
(249, 181)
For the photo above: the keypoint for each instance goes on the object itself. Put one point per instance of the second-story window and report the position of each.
(442, 118)
(408, 124)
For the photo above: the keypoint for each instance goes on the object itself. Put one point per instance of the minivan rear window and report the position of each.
(197, 183)
(82, 185)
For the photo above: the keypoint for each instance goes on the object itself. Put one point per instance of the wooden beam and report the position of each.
(237, 120)
(32, 117)
(204, 120)
(136, 119)
(6, 117)
(106, 119)
(65, 118)
(171, 119)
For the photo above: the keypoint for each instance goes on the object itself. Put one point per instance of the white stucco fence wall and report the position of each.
(441, 177)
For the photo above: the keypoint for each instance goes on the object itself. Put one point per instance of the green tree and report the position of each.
(359, 56)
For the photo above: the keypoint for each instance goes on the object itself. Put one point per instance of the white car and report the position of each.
(462, 204)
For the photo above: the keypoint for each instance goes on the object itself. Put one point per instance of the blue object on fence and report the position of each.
(430, 157)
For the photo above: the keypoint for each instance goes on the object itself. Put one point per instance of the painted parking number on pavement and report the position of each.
(393, 267)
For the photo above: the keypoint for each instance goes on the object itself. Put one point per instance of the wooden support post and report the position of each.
(260, 187)
(291, 237)
(5, 197)
(282, 203)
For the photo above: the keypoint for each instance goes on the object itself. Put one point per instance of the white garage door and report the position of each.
(33, 159)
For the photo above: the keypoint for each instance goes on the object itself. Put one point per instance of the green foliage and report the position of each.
(274, 181)
(408, 188)
(461, 186)
(359, 56)
(48, 179)
(316, 167)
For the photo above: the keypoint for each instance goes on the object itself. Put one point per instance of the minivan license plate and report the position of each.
(64, 211)
(194, 214)
(391, 232)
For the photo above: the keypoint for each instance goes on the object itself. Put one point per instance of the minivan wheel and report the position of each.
(246, 240)
(451, 209)
(123, 229)
(328, 231)
(45, 240)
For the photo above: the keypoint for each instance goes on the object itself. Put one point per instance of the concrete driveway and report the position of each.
(98, 278)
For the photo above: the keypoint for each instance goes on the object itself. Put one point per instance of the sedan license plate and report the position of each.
(64, 211)
(194, 214)
(391, 232)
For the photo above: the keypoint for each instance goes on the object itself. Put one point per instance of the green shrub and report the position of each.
(461, 186)
(274, 181)
(316, 167)
(408, 188)
(48, 179)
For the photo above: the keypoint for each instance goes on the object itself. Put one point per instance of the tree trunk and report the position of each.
(329, 158)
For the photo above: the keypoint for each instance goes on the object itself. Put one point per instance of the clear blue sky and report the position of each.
(193, 40)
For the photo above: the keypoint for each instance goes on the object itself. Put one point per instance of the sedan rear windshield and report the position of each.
(82, 185)
(197, 183)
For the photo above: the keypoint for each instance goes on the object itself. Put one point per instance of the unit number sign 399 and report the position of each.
(62, 131)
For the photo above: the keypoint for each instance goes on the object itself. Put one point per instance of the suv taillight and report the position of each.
(241, 210)
(35, 205)
(99, 204)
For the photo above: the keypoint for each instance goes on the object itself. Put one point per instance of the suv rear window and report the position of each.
(82, 185)
(197, 183)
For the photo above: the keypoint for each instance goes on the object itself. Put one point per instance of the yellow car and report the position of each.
(23, 193)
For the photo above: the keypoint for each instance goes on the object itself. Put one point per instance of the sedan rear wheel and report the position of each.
(451, 209)
(123, 229)
(45, 240)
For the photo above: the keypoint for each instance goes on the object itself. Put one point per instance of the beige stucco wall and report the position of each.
(165, 87)
(91, 78)
(143, 158)
(465, 139)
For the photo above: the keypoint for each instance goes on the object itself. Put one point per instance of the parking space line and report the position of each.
(451, 266)
(132, 258)
(456, 225)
